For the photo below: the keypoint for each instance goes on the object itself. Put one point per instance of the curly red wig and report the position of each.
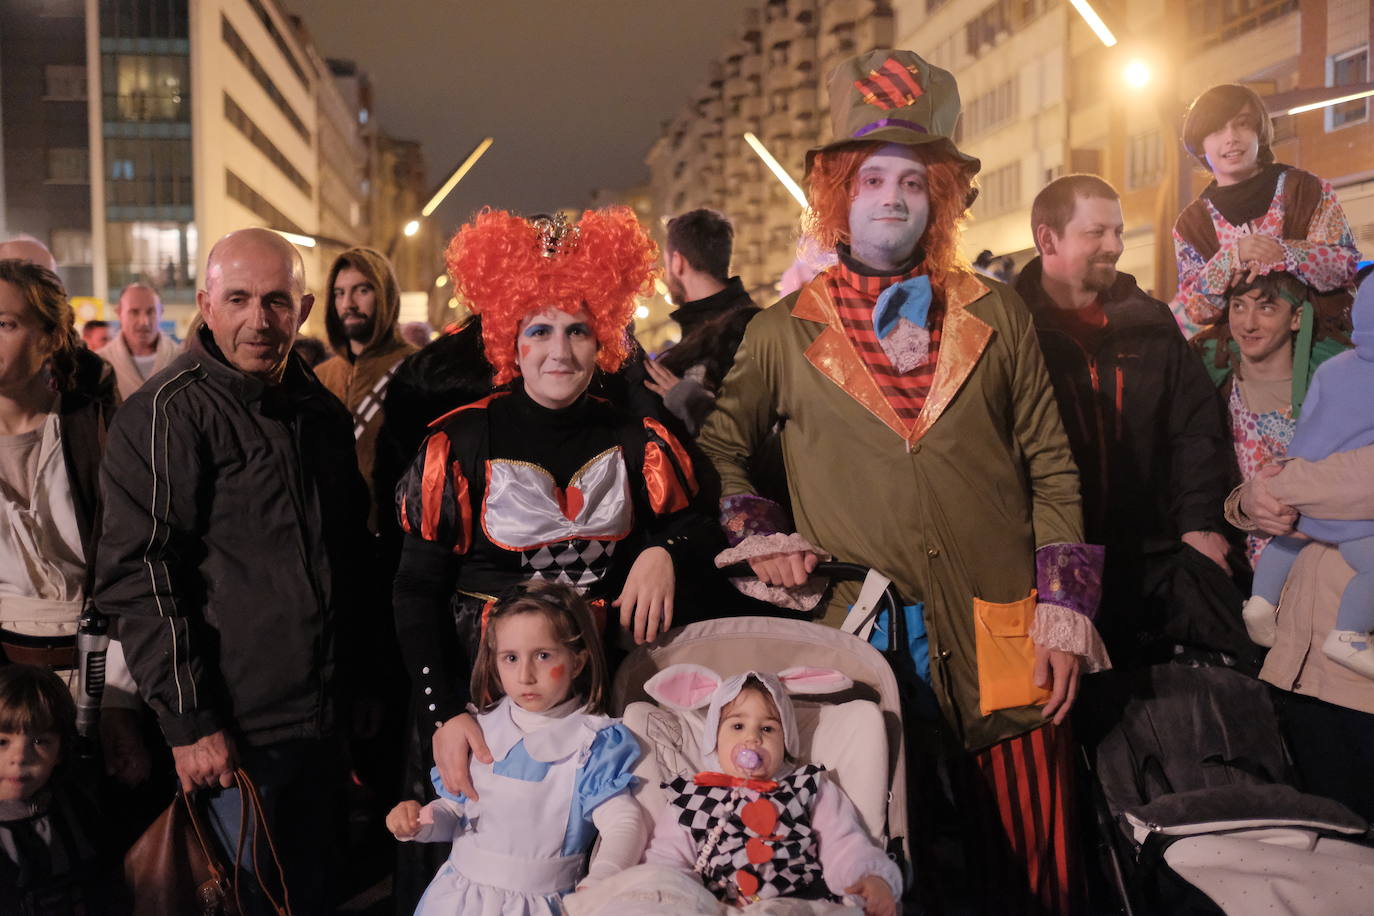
(949, 183)
(498, 266)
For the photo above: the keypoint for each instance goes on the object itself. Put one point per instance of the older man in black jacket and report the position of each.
(1143, 420)
(234, 525)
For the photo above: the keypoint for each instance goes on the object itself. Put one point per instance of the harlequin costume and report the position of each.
(505, 490)
(953, 477)
(794, 835)
(524, 843)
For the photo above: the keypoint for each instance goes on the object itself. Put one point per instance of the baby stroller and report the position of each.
(1194, 812)
(857, 734)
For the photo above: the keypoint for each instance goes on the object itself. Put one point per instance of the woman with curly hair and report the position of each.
(540, 480)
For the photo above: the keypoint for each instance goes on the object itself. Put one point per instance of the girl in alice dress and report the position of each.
(560, 772)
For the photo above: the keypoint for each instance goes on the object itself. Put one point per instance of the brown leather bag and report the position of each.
(177, 866)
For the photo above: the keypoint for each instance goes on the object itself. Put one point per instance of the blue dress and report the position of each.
(524, 843)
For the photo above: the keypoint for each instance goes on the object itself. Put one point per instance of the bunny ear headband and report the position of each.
(687, 687)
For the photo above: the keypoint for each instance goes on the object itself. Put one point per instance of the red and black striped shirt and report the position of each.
(855, 296)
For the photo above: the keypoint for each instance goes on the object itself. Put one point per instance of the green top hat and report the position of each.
(893, 97)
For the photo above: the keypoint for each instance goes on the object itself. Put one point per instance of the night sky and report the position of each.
(573, 92)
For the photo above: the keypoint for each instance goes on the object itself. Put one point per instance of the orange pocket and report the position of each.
(1006, 656)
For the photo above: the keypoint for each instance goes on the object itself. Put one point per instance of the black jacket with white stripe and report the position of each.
(231, 548)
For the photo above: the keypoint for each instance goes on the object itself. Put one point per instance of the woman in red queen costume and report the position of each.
(540, 480)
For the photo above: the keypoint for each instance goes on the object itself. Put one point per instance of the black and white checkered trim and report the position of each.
(795, 863)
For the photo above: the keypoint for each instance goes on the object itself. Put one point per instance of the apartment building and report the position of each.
(45, 155)
(769, 81)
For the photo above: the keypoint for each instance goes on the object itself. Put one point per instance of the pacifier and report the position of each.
(747, 758)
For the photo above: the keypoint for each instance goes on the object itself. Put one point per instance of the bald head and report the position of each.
(259, 244)
(254, 300)
(28, 249)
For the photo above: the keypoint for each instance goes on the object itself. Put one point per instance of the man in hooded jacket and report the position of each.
(361, 319)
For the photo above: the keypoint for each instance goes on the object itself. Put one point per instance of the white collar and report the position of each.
(568, 730)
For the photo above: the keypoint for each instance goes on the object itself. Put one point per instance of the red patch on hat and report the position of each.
(891, 86)
(748, 884)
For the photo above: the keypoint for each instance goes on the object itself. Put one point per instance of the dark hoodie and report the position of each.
(360, 381)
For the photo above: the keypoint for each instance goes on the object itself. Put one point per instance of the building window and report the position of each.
(161, 254)
(69, 165)
(147, 172)
(72, 247)
(983, 31)
(279, 41)
(245, 56)
(64, 83)
(237, 117)
(1211, 23)
(1001, 191)
(992, 109)
(147, 87)
(1144, 159)
(1348, 69)
(144, 18)
(239, 190)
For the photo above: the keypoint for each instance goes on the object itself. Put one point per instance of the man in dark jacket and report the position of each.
(713, 310)
(1143, 421)
(234, 521)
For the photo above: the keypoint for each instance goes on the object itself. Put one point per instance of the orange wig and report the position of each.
(501, 266)
(949, 184)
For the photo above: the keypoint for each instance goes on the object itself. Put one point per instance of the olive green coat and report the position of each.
(951, 509)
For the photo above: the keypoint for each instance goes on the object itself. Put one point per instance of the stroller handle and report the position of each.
(848, 572)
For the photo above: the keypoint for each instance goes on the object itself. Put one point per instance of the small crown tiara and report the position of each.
(557, 234)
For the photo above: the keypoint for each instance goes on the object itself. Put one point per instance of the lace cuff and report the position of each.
(802, 597)
(1070, 576)
(1058, 627)
(746, 515)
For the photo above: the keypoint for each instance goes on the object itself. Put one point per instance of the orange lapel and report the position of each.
(834, 355)
(962, 340)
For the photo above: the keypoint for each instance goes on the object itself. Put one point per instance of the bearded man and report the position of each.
(922, 439)
(361, 321)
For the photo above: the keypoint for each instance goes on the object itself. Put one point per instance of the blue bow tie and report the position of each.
(909, 299)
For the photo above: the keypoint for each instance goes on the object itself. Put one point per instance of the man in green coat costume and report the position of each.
(921, 438)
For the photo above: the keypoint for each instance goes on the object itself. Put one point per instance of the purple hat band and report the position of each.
(889, 122)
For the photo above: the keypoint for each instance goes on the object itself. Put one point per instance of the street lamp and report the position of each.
(1094, 21)
(776, 168)
(1137, 74)
(413, 226)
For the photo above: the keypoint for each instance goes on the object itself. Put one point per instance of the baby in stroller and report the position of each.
(761, 826)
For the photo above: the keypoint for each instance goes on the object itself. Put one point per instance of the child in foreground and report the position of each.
(764, 826)
(559, 775)
(53, 856)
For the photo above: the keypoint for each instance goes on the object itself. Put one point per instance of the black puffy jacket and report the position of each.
(232, 543)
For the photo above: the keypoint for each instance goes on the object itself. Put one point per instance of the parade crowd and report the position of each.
(385, 594)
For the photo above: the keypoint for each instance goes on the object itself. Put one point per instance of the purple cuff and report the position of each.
(1070, 575)
(747, 515)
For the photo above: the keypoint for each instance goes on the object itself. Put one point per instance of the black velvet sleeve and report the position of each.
(438, 665)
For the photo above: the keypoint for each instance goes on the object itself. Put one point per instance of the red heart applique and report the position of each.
(570, 501)
(747, 883)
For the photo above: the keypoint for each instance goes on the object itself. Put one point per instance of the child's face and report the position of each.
(1232, 150)
(26, 762)
(536, 670)
(1260, 326)
(750, 721)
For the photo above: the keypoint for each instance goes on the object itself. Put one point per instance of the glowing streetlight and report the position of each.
(411, 228)
(776, 168)
(456, 177)
(294, 238)
(641, 312)
(1137, 74)
(663, 290)
(1094, 21)
(1327, 103)
(441, 281)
